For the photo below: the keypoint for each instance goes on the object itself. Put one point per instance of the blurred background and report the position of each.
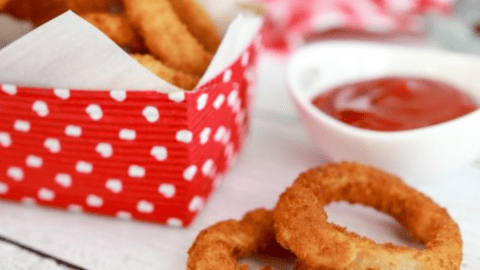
(447, 24)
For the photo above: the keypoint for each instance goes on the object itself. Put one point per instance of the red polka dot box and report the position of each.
(144, 155)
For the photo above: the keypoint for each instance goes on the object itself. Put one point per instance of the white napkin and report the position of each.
(238, 36)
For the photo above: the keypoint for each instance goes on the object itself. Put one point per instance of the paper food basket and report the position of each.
(145, 155)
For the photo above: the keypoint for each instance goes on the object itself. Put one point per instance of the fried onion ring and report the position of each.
(176, 77)
(198, 23)
(41, 11)
(301, 223)
(83, 6)
(3, 3)
(38, 12)
(219, 246)
(117, 28)
(166, 36)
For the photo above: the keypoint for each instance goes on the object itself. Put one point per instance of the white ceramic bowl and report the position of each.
(423, 153)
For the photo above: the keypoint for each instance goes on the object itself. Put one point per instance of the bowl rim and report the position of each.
(320, 116)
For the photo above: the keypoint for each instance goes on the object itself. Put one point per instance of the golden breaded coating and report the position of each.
(82, 6)
(41, 11)
(166, 36)
(3, 3)
(36, 11)
(219, 246)
(301, 223)
(198, 23)
(117, 28)
(176, 77)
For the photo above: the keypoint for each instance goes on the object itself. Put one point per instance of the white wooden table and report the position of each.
(277, 151)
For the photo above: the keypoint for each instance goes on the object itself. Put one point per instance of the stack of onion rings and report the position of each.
(300, 225)
(174, 39)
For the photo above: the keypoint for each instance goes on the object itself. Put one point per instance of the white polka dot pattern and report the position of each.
(232, 98)
(3, 188)
(5, 139)
(219, 101)
(220, 134)
(167, 190)
(136, 171)
(73, 131)
(63, 179)
(84, 167)
(178, 96)
(94, 111)
(104, 149)
(52, 144)
(40, 107)
(22, 126)
(34, 161)
(207, 167)
(175, 222)
(205, 135)
(127, 134)
(202, 102)
(62, 93)
(46, 194)
(114, 185)
(190, 172)
(160, 153)
(236, 106)
(184, 136)
(227, 76)
(118, 95)
(9, 89)
(145, 207)
(151, 114)
(16, 173)
(129, 154)
(196, 204)
(94, 201)
(226, 137)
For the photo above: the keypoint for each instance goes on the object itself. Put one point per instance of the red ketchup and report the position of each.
(393, 104)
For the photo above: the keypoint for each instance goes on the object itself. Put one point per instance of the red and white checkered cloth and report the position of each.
(288, 21)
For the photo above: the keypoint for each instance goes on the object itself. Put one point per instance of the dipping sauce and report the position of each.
(395, 103)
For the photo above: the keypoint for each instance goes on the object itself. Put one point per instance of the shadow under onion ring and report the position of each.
(301, 223)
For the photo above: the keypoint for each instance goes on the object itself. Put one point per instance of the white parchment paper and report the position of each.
(68, 52)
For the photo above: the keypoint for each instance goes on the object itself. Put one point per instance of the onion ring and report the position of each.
(117, 28)
(198, 23)
(38, 12)
(41, 11)
(219, 246)
(301, 223)
(83, 6)
(3, 3)
(171, 75)
(166, 36)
